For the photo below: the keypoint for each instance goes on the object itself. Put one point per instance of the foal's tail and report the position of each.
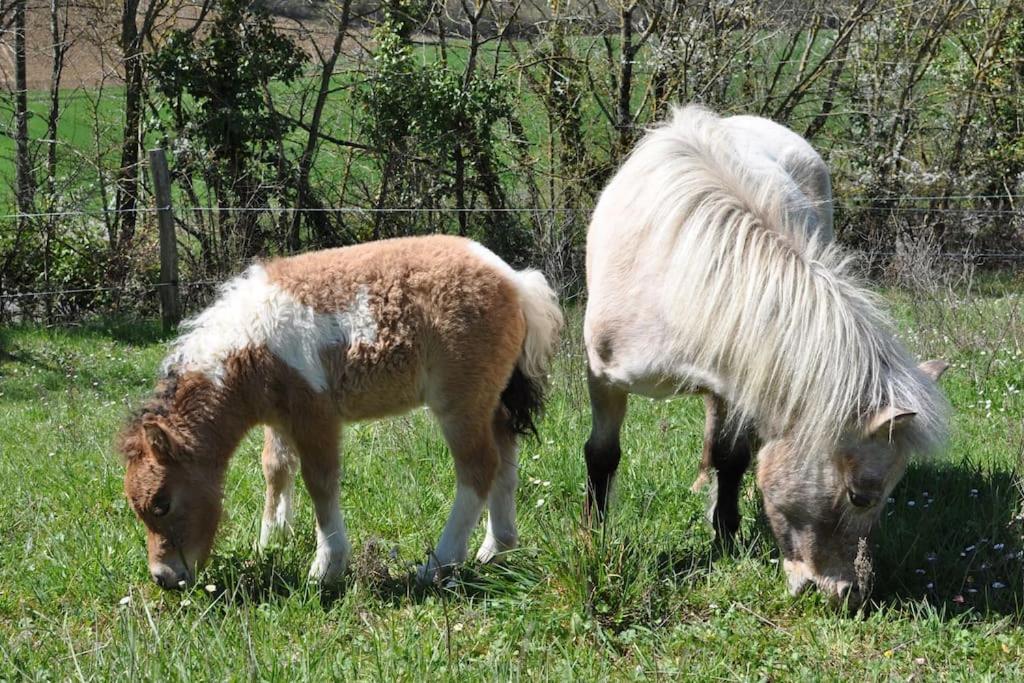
(523, 397)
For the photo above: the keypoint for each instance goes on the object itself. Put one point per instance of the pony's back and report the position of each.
(720, 251)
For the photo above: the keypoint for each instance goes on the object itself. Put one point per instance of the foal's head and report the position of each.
(821, 506)
(174, 489)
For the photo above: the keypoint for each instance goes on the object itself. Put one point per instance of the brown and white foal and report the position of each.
(308, 343)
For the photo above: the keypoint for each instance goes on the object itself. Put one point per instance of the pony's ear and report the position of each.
(161, 438)
(888, 420)
(933, 368)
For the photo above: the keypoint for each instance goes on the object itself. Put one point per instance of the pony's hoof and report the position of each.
(493, 550)
(328, 568)
(432, 572)
(271, 536)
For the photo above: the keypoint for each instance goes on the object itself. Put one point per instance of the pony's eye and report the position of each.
(160, 509)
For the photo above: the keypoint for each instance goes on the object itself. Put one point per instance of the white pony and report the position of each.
(711, 269)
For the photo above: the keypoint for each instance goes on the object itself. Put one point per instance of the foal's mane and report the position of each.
(159, 404)
(755, 296)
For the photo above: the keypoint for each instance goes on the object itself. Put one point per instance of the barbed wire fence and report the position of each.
(552, 165)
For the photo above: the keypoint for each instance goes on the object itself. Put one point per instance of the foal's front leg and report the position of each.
(280, 465)
(318, 450)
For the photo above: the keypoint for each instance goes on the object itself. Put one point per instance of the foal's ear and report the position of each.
(933, 368)
(161, 438)
(888, 420)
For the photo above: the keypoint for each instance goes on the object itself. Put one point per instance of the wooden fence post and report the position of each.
(170, 299)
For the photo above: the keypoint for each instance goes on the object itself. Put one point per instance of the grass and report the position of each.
(648, 597)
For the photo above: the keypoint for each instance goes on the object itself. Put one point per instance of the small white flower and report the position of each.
(998, 584)
(540, 502)
(210, 588)
(125, 600)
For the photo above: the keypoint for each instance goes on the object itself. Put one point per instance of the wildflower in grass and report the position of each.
(125, 600)
(998, 584)
(540, 502)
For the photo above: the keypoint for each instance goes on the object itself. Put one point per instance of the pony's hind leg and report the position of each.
(472, 443)
(318, 451)
(602, 450)
(501, 518)
(280, 464)
(728, 452)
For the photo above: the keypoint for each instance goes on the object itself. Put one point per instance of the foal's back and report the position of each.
(420, 320)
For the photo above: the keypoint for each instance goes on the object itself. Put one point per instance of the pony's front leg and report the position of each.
(728, 452)
(501, 502)
(280, 464)
(318, 450)
(476, 462)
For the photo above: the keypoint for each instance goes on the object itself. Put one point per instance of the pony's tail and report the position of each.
(523, 397)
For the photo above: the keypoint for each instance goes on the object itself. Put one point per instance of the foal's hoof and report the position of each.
(493, 550)
(327, 567)
(432, 572)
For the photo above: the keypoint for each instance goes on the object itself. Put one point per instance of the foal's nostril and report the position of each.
(159, 580)
(859, 499)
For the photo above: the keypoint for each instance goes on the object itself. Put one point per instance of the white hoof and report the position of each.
(272, 533)
(492, 550)
(328, 565)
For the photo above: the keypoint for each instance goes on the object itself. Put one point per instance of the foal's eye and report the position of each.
(160, 509)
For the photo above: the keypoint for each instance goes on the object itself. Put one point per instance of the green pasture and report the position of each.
(649, 597)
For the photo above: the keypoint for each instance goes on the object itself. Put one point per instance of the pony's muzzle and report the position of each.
(170, 577)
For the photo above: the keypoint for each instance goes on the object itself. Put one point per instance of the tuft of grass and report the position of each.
(647, 595)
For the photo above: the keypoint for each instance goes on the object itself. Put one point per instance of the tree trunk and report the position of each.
(128, 175)
(24, 182)
(303, 189)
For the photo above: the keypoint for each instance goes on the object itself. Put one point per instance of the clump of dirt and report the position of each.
(370, 565)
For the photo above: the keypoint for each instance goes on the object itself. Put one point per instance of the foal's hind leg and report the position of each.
(471, 440)
(280, 464)
(602, 450)
(729, 453)
(501, 502)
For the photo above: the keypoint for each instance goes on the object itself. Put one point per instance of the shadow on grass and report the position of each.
(952, 537)
(51, 371)
(245, 579)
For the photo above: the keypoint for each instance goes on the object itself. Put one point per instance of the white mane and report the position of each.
(752, 294)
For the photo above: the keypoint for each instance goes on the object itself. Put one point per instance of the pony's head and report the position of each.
(820, 507)
(174, 489)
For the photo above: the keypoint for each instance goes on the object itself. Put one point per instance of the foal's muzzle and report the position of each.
(169, 577)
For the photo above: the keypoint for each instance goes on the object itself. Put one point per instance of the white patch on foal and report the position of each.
(251, 311)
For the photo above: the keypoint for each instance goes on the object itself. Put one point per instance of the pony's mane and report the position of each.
(756, 296)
